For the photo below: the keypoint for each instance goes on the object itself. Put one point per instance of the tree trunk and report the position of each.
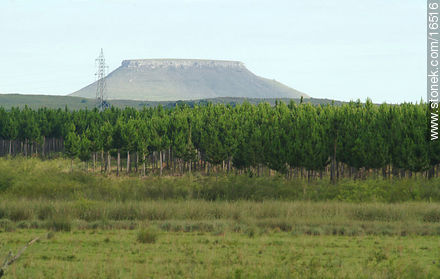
(334, 163)
(160, 162)
(169, 158)
(109, 166)
(384, 172)
(153, 162)
(102, 160)
(402, 173)
(128, 161)
(25, 148)
(137, 162)
(395, 172)
(118, 162)
(42, 147)
(143, 164)
(337, 170)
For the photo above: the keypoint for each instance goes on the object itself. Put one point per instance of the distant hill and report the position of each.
(186, 79)
(37, 101)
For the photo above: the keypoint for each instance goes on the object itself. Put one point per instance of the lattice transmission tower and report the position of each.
(101, 98)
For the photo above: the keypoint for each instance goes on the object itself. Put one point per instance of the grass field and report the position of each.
(201, 239)
(94, 226)
(117, 254)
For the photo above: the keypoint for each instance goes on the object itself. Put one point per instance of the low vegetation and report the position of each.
(219, 226)
(301, 218)
(54, 180)
(118, 254)
(147, 235)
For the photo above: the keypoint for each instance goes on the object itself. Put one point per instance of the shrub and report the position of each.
(50, 235)
(7, 225)
(59, 224)
(377, 213)
(23, 225)
(166, 226)
(19, 213)
(45, 212)
(282, 225)
(6, 180)
(250, 232)
(432, 216)
(148, 235)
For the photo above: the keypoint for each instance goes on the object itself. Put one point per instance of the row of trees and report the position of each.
(354, 139)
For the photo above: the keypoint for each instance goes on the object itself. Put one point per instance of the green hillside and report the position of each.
(37, 101)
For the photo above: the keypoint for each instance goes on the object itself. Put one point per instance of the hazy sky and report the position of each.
(340, 49)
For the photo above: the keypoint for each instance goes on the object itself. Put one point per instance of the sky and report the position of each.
(341, 49)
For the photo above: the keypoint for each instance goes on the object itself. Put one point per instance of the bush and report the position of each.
(45, 212)
(148, 235)
(250, 232)
(432, 216)
(282, 225)
(6, 180)
(59, 224)
(50, 235)
(19, 213)
(377, 213)
(7, 225)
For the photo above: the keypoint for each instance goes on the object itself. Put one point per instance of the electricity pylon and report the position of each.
(101, 98)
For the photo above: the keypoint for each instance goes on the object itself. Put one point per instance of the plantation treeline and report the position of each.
(298, 140)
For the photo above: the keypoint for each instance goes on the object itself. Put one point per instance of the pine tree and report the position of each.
(72, 144)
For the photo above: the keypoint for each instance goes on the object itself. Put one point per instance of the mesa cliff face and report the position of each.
(186, 79)
(181, 63)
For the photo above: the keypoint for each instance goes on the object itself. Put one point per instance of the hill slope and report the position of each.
(185, 79)
(38, 101)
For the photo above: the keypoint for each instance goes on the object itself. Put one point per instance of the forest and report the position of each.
(353, 140)
(220, 191)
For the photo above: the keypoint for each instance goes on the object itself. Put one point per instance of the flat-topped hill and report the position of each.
(187, 79)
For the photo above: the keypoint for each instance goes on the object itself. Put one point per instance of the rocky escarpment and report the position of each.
(181, 63)
(187, 79)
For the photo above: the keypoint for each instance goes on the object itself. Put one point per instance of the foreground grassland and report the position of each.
(117, 254)
(95, 226)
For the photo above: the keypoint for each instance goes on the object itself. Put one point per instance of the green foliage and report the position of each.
(147, 235)
(72, 143)
(84, 151)
(60, 223)
(7, 225)
(362, 137)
